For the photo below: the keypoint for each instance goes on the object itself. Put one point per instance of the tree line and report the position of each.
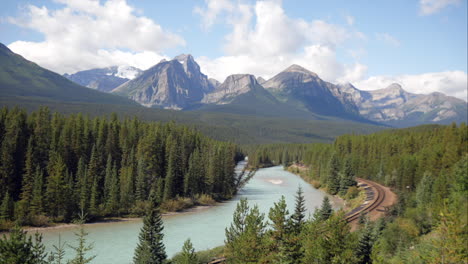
(55, 167)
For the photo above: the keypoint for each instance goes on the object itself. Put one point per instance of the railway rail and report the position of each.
(375, 196)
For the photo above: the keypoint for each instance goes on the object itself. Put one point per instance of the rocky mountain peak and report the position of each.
(233, 86)
(240, 80)
(188, 63)
(299, 69)
(394, 88)
(260, 80)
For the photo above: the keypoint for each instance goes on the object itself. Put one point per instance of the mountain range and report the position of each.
(295, 92)
(293, 106)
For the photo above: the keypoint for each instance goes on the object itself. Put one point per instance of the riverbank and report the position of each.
(194, 209)
(336, 201)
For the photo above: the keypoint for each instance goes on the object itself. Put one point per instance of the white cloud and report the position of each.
(452, 83)
(265, 41)
(429, 7)
(213, 9)
(86, 34)
(349, 20)
(389, 39)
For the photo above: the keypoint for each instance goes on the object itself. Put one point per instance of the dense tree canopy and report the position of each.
(57, 166)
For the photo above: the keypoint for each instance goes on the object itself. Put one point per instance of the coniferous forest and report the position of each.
(426, 166)
(55, 167)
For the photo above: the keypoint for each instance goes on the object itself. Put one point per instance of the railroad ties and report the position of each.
(375, 195)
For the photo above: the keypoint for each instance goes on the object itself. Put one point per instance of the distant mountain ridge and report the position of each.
(104, 79)
(179, 84)
(395, 106)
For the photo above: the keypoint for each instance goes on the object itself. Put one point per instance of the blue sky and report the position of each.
(419, 44)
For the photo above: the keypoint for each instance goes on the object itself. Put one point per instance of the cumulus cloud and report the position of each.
(429, 7)
(87, 33)
(265, 41)
(213, 9)
(452, 83)
(389, 39)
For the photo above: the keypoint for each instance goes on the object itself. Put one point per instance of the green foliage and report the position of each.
(298, 217)
(150, 249)
(20, 248)
(81, 250)
(245, 236)
(188, 255)
(325, 211)
(104, 166)
(58, 255)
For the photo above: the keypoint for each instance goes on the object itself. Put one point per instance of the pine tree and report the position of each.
(325, 210)
(298, 216)
(150, 249)
(28, 175)
(37, 205)
(141, 185)
(18, 247)
(245, 236)
(297, 226)
(58, 255)
(347, 177)
(279, 235)
(55, 185)
(333, 175)
(113, 201)
(364, 247)
(82, 249)
(188, 255)
(173, 178)
(6, 208)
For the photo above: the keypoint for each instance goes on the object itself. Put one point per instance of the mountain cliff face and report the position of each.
(104, 79)
(175, 84)
(234, 86)
(301, 87)
(395, 106)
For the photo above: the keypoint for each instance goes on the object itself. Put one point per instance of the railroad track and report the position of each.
(378, 196)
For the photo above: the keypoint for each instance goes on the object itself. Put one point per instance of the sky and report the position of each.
(420, 44)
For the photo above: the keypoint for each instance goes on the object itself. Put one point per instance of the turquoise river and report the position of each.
(114, 242)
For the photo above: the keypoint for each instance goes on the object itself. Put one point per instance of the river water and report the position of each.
(114, 243)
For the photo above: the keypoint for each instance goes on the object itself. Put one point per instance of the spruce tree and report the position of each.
(58, 255)
(347, 177)
(18, 247)
(298, 217)
(6, 208)
(333, 181)
(28, 175)
(364, 247)
(297, 226)
(245, 236)
(280, 233)
(325, 210)
(187, 255)
(150, 249)
(37, 205)
(82, 249)
(56, 185)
